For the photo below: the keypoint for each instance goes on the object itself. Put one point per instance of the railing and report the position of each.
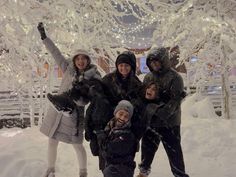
(19, 109)
(213, 90)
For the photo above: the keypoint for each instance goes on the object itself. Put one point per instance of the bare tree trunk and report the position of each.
(226, 104)
(31, 101)
(187, 77)
(41, 84)
(225, 95)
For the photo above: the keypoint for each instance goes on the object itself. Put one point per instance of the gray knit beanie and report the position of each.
(125, 105)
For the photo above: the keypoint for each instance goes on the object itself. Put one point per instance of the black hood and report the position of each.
(161, 55)
(129, 55)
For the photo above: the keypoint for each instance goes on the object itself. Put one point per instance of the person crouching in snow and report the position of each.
(57, 126)
(118, 143)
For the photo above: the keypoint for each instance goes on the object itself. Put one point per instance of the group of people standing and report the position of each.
(122, 111)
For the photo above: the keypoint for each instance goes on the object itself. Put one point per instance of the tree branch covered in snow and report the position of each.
(107, 24)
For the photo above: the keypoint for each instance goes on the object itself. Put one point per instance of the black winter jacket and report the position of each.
(171, 90)
(142, 114)
(99, 112)
(119, 145)
(97, 116)
(121, 89)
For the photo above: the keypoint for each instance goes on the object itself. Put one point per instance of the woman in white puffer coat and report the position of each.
(58, 127)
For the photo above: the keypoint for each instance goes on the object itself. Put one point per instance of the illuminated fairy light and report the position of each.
(86, 15)
(132, 28)
(94, 12)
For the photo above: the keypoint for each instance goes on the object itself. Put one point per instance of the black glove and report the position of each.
(87, 136)
(102, 142)
(101, 136)
(41, 30)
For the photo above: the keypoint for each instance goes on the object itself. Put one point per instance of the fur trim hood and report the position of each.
(81, 52)
(91, 72)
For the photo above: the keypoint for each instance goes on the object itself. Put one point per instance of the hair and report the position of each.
(127, 57)
(88, 59)
(147, 85)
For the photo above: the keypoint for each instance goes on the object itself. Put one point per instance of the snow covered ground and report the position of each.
(208, 144)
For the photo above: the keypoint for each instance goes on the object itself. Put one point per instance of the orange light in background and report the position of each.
(59, 73)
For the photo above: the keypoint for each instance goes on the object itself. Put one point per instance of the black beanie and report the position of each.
(128, 58)
(123, 59)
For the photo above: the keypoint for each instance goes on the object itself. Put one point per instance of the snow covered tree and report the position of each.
(202, 28)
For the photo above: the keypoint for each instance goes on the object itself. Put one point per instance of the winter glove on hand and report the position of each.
(87, 136)
(101, 136)
(41, 30)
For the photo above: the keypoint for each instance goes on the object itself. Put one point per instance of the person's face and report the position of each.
(151, 92)
(156, 65)
(81, 62)
(122, 117)
(124, 69)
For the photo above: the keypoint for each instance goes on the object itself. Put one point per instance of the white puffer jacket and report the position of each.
(56, 125)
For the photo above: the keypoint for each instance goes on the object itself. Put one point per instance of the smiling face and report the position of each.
(122, 117)
(81, 62)
(151, 92)
(124, 69)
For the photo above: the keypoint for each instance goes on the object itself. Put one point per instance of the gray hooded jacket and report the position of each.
(56, 125)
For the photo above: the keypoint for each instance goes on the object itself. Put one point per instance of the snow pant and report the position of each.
(118, 170)
(79, 149)
(171, 141)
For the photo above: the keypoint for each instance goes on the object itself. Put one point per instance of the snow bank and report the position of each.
(192, 107)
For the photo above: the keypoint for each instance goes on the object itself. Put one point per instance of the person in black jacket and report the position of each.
(149, 95)
(123, 83)
(118, 143)
(98, 114)
(164, 121)
(120, 84)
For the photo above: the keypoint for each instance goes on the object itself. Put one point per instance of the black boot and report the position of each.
(62, 102)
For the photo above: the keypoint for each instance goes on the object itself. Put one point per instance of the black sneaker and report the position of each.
(61, 103)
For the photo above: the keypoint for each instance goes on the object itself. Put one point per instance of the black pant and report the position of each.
(118, 170)
(102, 161)
(96, 151)
(171, 140)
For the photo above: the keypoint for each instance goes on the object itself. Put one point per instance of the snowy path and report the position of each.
(208, 145)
